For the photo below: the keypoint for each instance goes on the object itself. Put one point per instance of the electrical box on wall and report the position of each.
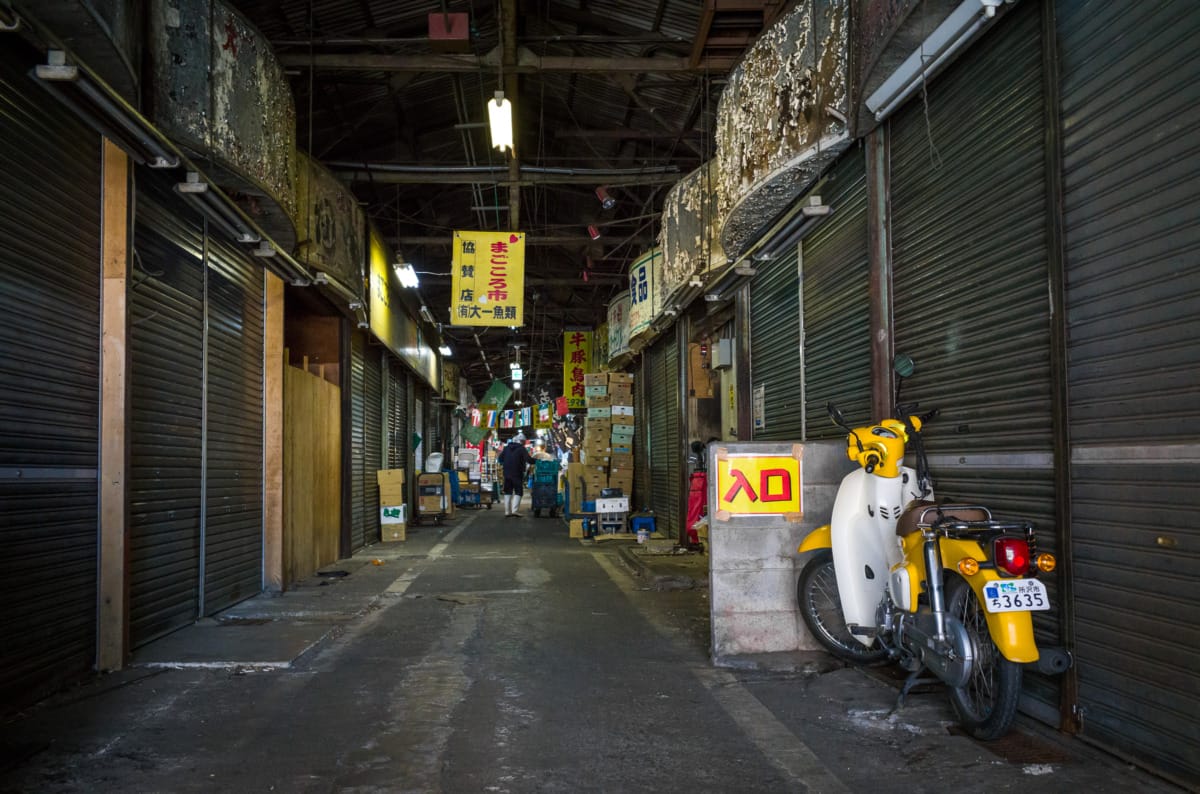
(722, 357)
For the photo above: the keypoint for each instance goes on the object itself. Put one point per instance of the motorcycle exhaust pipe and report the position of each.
(1053, 661)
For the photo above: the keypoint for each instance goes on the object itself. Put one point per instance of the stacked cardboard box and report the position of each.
(620, 396)
(393, 512)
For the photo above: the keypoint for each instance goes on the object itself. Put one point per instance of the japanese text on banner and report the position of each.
(487, 279)
(577, 354)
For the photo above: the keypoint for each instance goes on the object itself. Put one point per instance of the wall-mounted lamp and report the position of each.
(216, 208)
(594, 232)
(445, 350)
(426, 315)
(407, 275)
(606, 199)
(500, 120)
(104, 111)
(946, 39)
(792, 232)
(729, 283)
(264, 249)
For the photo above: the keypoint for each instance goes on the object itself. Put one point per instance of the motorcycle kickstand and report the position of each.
(914, 680)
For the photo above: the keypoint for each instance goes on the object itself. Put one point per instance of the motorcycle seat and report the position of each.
(923, 513)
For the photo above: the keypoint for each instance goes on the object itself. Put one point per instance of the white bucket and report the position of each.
(643, 535)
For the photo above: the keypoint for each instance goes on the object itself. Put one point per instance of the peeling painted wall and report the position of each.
(690, 242)
(329, 225)
(216, 88)
(782, 118)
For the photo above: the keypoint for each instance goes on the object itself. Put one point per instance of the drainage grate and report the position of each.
(236, 621)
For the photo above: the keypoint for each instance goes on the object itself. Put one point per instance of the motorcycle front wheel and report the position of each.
(987, 704)
(821, 608)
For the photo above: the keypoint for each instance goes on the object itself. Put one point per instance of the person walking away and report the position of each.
(515, 459)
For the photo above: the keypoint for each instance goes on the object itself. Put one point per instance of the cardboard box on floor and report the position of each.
(393, 532)
(391, 486)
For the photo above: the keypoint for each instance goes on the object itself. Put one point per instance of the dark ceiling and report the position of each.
(614, 93)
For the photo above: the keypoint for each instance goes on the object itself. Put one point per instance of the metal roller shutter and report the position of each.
(665, 452)
(399, 432)
(166, 381)
(775, 348)
(1131, 142)
(233, 519)
(358, 519)
(372, 440)
(836, 296)
(970, 285)
(49, 384)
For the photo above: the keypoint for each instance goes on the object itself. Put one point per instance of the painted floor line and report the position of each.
(785, 751)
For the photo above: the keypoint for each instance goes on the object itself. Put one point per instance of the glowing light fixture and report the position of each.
(406, 274)
(500, 119)
(445, 350)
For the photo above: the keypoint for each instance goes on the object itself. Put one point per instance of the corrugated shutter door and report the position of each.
(166, 381)
(398, 428)
(775, 348)
(358, 530)
(970, 283)
(49, 383)
(372, 440)
(1131, 144)
(233, 526)
(664, 450)
(836, 295)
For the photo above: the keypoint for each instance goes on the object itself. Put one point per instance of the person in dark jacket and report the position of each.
(516, 460)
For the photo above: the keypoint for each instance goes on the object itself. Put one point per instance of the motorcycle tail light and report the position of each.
(1046, 562)
(1012, 555)
(968, 566)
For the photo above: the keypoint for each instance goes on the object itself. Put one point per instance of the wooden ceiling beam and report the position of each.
(528, 63)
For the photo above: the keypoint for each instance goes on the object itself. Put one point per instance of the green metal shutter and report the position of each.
(166, 382)
(358, 519)
(233, 525)
(968, 191)
(836, 295)
(49, 384)
(775, 348)
(664, 450)
(1131, 144)
(399, 429)
(372, 440)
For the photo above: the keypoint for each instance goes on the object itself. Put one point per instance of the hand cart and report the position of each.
(544, 490)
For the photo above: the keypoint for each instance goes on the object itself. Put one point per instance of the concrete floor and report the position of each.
(493, 654)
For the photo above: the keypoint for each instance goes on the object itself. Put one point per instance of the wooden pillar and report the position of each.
(879, 253)
(113, 613)
(274, 360)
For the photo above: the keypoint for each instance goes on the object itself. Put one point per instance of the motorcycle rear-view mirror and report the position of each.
(836, 415)
(904, 366)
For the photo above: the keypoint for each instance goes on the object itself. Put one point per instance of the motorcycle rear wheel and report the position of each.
(821, 608)
(987, 704)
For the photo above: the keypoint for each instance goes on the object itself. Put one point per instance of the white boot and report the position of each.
(516, 503)
(508, 509)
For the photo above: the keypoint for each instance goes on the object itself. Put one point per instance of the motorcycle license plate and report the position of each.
(1015, 595)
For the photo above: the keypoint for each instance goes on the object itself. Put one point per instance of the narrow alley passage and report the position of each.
(495, 654)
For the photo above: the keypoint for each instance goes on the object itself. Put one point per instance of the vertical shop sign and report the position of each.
(487, 279)
(577, 353)
(760, 407)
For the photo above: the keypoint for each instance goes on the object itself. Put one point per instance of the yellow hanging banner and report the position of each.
(577, 354)
(487, 279)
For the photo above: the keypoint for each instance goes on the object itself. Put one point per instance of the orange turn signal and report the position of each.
(968, 566)
(1046, 562)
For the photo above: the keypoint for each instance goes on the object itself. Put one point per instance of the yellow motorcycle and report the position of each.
(944, 588)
